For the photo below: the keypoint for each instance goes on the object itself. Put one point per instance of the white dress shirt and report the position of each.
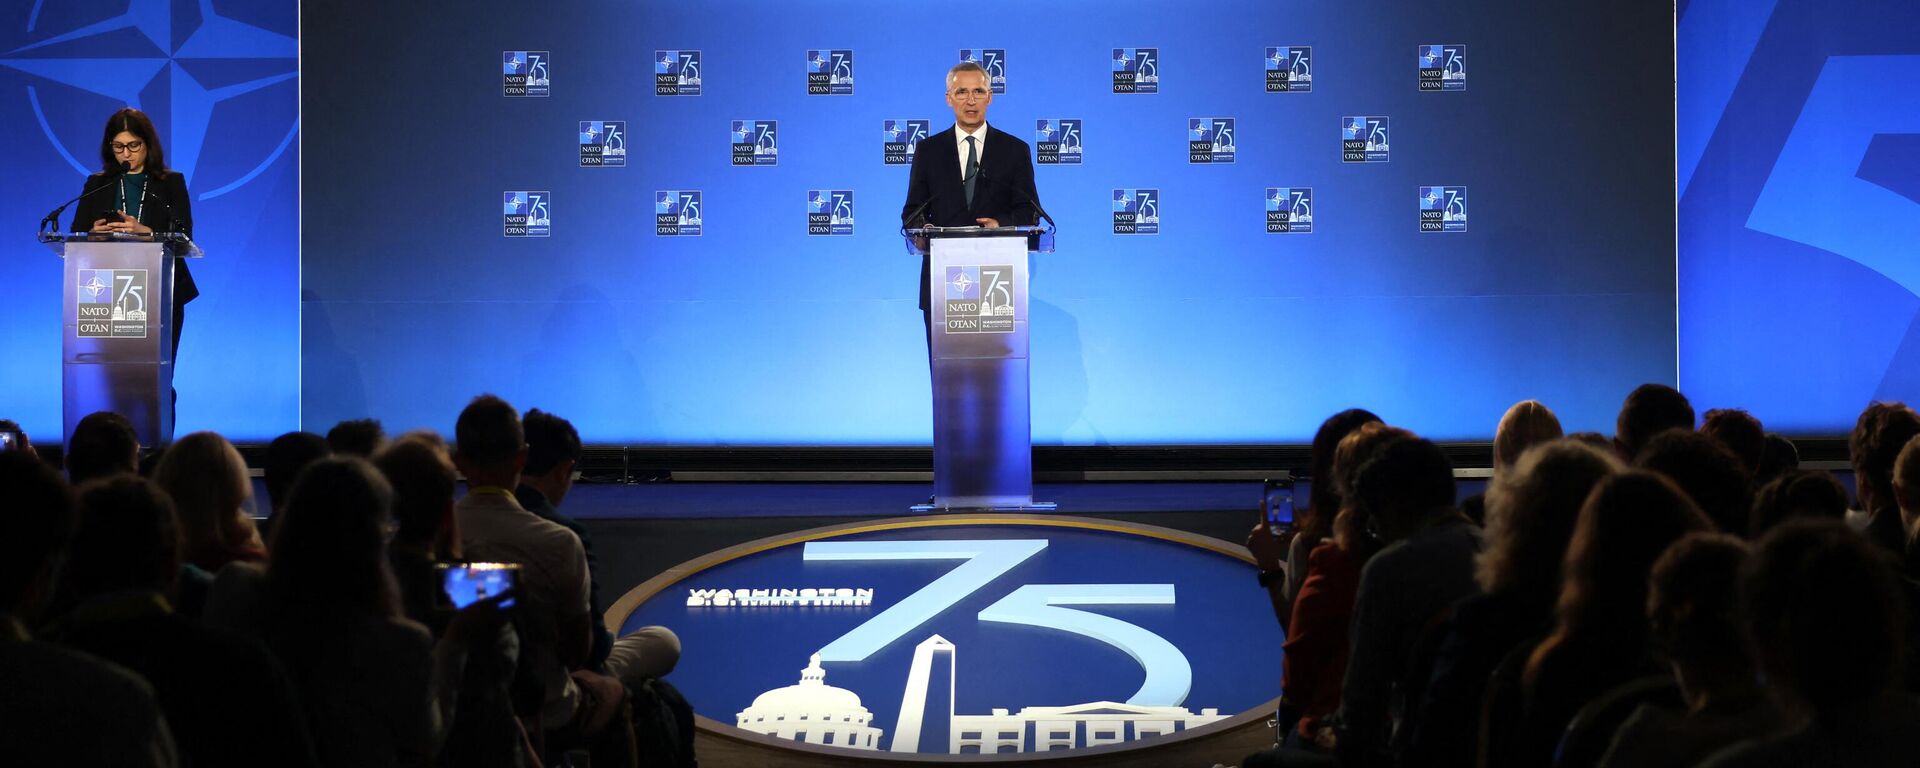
(979, 147)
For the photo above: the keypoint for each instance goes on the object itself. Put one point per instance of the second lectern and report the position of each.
(982, 421)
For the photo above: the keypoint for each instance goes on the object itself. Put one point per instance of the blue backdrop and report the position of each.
(1212, 331)
(1799, 151)
(220, 80)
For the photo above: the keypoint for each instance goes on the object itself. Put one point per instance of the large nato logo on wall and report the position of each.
(1136, 211)
(1364, 139)
(1136, 70)
(526, 73)
(756, 142)
(1289, 69)
(206, 65)
(110, 304)
(676, 73)
(1210, 140)
(677, 212)
(830, 72)
(994, 61)
(1289, 210)
(528, 214)
(1058, 142)
(830, 212)
(899, 139)
(603, 143)
(1443, 67)
(986, 635)
(1443, 209)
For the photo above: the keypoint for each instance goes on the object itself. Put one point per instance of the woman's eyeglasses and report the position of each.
(131, 146)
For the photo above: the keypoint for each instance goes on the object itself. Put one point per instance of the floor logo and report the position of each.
(676, 73)
(1057, 142)
(1136, 70)
(529, 214)
(526, 73)
(994, 61)
(677, 213)
(899, 139)
(1443, 209)
(980, 299)
(756, 142)
(1136, 211)
(1290, 210)
(111, 304)
(1289, 69)
(1364, 139)
(830, 73)
(830, 212)
(1443, 68)
(603, 143)
(1210, 140)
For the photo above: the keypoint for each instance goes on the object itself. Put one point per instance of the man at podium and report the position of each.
(969, 175)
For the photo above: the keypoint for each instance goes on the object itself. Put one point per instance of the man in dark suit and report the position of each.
(969, 175)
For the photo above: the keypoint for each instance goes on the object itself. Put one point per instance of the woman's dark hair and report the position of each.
(1693, 602)
(1324, 500)
(1826, 614)
(1797, 493)
(329, 553)
(135, 122)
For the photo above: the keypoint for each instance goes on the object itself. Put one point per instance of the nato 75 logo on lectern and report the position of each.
(110, 304)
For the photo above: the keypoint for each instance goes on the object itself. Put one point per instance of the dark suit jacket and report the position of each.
(167, 208)
(1004, 191)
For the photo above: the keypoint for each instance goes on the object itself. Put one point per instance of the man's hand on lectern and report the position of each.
(988, 222)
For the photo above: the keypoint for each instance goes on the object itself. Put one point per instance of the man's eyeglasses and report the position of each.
(968, 94)
(131, 146)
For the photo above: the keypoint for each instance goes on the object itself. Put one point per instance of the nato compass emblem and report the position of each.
(1136, 211)
(1289, 69)
(1210, 140)
(899, 139)
(1443, 68)
(1136, 70)
(1443, 209)
(197, 64)
(526, 74)
(994, 61)
(830, 72)
(677, 213)
(676, 73)
(1363, 139)
(1290, 210)
(1057, 142)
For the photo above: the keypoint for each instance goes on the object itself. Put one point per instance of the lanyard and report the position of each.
(123, 197)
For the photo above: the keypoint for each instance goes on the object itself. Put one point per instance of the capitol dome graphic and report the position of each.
(812, 712)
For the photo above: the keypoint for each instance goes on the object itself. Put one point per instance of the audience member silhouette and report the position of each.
(103, 444)
(1879, 434)
(1738, 432)
(286, 456)
(423, 480)
(1283, 560)
(1528, 423)
(357, 437)
(1797, 493)
(1710, 475)
(210, 488)
(1649, 410)
(1778, 456)
(553, 450)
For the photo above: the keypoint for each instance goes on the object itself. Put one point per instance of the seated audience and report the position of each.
(1283, 559)
(1693, 607)
(59, 706)
(553, 449)
(1601, 638)
(1407, 490)
(103, 444)
(423, 481)
(1797, 493)
(1528, 423)
(1778, 456)
(226, 700)
(357, 437)
(1650, 409)
(1710, 475)
(1826, 617)
(208, 482)
(1882, 430)
(286, 456)
(1531, 512)
(1740, 433)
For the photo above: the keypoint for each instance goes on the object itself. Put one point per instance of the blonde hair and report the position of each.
(208, 482)
(1528, 423)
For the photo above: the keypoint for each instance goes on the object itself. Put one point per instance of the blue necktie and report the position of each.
(973, 170)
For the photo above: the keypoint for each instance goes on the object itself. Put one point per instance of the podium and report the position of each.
(117, 328)
(982, 421)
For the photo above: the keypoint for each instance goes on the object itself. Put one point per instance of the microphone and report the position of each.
(51, 223)
(1022, 192)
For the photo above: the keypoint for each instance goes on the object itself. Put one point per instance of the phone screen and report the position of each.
(1277, 501)
(467, 583)
(6, 441)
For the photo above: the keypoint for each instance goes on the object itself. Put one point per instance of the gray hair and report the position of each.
(965, 66)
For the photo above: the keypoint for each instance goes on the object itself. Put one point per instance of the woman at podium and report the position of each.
(135, 192)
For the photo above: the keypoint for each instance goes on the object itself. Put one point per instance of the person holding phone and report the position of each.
(136, 193)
